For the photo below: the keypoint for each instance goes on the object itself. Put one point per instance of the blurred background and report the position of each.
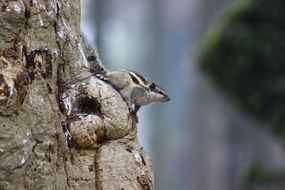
(223, 63)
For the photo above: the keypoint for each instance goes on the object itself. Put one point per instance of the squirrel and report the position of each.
(134, 88)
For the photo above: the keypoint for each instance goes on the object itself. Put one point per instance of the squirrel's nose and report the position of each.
(167, 99)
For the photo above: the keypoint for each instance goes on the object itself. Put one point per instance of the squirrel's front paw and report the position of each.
(133, 113)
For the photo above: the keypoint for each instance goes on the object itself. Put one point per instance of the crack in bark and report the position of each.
(98, 178)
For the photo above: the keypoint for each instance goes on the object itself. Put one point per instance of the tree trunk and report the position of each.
(60, 129)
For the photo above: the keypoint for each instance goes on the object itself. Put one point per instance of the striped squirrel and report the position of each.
(134, 88)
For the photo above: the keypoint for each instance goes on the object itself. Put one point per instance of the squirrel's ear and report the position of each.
(152, 86)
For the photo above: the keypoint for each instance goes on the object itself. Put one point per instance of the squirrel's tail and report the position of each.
(95, 64)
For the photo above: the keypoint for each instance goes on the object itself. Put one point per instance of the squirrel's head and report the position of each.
(158, 93)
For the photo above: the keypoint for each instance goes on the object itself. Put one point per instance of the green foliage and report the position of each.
(246, 57)
(255, 177)
(251, 175)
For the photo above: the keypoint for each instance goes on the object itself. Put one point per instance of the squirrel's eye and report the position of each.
(91, 58)
(152, 86)
(160, 92)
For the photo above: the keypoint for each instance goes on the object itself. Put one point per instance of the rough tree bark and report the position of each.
(60, 129)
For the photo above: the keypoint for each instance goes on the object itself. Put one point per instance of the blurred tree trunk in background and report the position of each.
(39, 53)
